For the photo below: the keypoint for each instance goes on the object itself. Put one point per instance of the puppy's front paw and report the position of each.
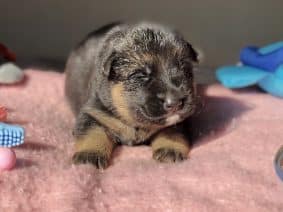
(168, 155)
(97, 159)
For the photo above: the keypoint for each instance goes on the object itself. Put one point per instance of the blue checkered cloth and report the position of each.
(11, 135)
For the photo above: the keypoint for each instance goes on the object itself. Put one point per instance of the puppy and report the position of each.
(131, 84)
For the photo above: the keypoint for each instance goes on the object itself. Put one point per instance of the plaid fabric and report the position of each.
(11, 135)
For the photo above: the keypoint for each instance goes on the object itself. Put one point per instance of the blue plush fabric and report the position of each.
(272, 84)
(279, 72)
(271, 47)
(11, 135)
(252, 57)
(239, 76)
(261, 66)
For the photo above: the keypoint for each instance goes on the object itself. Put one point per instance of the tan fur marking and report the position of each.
(120, 103)
(170, 140)
(112, 123)
(120, 128)
(149, 58)
(95, 140)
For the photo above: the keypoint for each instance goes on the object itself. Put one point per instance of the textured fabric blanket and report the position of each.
(235, 135)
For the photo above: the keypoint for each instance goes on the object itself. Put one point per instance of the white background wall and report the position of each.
(49, 28)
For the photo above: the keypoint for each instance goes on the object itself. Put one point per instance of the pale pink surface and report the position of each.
(230, 167)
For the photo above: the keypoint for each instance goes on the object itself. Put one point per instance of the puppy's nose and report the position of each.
(173, 103)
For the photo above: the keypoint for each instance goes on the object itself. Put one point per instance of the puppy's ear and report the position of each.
(109, 66)
(192, 53)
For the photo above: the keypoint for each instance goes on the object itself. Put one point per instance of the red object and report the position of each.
(6, 53)
(3, 113)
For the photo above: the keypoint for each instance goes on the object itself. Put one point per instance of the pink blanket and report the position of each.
(230, 168)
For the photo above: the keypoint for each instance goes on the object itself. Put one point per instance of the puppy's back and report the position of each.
(80, 65)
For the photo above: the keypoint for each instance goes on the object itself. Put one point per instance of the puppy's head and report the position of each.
(149, 71)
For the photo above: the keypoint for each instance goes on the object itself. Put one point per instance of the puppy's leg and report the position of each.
(92, 143)
(169, 145)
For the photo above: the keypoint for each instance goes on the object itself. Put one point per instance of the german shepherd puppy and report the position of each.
(131, 84)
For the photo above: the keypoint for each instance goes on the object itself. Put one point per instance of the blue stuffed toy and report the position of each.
(259, 66)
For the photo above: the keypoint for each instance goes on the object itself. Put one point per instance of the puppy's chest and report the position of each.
(119, 131)
(133, 136)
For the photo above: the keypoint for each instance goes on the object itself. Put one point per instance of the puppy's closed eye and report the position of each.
(177, 81)
(140, 75)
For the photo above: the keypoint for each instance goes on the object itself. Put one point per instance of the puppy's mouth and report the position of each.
(168, 118)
